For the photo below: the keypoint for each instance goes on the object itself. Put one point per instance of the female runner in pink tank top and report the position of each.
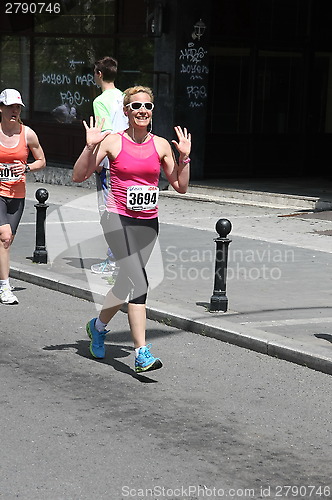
(130, 222)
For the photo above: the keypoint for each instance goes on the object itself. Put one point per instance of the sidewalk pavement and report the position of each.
(279, 295)
(311, 193)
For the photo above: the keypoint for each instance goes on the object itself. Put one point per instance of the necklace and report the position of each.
(141, 142)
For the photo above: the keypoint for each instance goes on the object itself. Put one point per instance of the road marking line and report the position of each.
(62, 222)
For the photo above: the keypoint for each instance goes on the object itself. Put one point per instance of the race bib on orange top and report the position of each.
(6, 173)
(142, 197)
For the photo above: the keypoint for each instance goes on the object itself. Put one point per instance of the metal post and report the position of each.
(219, 300)
(40, 253)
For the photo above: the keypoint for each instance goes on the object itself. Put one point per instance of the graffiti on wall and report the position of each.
(194, 70)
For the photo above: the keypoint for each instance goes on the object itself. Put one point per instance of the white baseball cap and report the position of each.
(11, 96)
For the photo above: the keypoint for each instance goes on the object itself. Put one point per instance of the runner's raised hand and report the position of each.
(94, 134)
(184, 141)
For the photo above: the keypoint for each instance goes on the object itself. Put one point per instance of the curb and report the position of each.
(253, 198)
(248, 338)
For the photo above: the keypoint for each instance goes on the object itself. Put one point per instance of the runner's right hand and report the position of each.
(94, 134)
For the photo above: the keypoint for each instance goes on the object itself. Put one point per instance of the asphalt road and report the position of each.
(217, 421)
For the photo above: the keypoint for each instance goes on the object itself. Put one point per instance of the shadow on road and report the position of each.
(324, 336)
(113, 353)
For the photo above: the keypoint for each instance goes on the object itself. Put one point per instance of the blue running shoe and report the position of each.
(145, 362)
(97, 346)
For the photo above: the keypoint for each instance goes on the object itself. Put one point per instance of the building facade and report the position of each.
(251, 79)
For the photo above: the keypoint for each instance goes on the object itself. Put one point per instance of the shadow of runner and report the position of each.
(324, 336)
(111, 358)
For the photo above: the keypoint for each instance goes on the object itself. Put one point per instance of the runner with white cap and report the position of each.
(16, 140)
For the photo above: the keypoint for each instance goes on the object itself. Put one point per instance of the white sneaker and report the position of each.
(7, 296)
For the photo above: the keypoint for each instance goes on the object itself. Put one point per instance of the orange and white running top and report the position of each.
(13, 186)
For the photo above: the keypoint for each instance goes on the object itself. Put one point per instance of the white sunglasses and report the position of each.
(136, 105)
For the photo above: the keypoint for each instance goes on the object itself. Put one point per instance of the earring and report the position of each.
(150, 126)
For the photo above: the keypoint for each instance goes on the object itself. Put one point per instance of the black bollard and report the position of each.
(219, 300)
(40, 253)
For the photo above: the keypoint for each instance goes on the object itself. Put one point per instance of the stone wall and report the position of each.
(53, 174)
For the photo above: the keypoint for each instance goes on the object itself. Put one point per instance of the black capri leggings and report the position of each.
(131, 241)
(11, 210)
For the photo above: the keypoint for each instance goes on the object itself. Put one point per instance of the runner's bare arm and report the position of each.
(93, 153)
(177, 174)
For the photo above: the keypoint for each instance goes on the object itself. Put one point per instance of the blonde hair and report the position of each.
(128, 93)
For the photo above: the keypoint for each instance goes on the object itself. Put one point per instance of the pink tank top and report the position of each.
(134, 180)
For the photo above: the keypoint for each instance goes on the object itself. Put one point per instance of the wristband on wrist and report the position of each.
(187, 160)
(27, 169)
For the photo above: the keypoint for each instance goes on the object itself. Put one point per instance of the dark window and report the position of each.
(64, 86)
(320, 99)
(276, 20)
(229, 91)
(78, 16)
(282, 19)
(233, 19)
(132, 17)
(14, 66)
(135, 62)
(322, 22)
(278, 93)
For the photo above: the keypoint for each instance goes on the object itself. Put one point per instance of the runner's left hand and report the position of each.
(184, 141)
(18, 167)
